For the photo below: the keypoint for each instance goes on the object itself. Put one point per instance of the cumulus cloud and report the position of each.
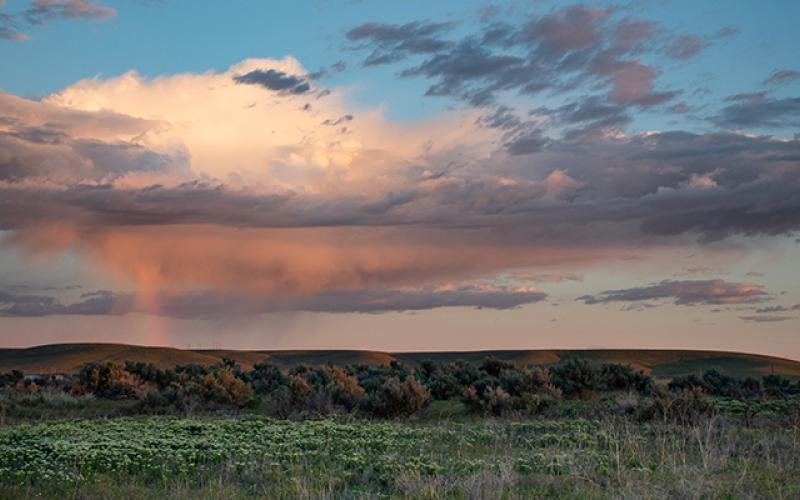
(135, 145)
(686, 292)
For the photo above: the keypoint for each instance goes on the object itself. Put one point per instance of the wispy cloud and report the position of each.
(686, 293)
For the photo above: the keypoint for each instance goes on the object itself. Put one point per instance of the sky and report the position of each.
(401, 176)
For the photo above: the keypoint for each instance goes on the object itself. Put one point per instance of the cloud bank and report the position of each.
(258, 185)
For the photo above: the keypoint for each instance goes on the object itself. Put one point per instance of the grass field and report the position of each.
(246, 456)
(663, 364)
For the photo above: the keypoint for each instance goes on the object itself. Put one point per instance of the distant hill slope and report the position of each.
(65, 358)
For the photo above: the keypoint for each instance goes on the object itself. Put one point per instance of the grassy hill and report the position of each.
(65, 358)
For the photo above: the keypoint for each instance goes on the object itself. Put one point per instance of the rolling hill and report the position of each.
(664, 364)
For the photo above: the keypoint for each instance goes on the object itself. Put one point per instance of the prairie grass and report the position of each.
(436, 457)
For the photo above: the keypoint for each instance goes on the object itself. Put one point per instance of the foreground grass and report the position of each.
(248, 456)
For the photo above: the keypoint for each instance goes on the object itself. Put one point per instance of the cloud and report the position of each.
(338, 121)
(781, 76)
(42, 11)
(45, 10)
(546, 278)
(774, 309)
(391, 42)
(766, 319)
(762, 113)
(65, 160)
(528, 142)
(9, 28)
(686, 292)
(207, 304)
(751, 97)
(686, 46)
(195, 181)
(275, 80)
(574, 47)
(726, 32)
(97, 303)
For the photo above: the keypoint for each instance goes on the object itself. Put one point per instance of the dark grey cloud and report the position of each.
(391, 42)
(50, 152)
(338, 121)
(473, 73)
(588, 119)
(92, 304)
(528, 142)
(752, 97)
(275, 80)
(591, 109)
(685, 292)
(766, 319)
(762, 113)
(574, 47)
(686, 46)
(209, 304)
(46, 288)
(501, 117)
(781, 76)
(774, 309)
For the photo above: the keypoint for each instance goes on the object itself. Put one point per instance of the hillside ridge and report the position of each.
(663, 363)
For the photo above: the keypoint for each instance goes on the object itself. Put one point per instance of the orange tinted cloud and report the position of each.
(306, 261)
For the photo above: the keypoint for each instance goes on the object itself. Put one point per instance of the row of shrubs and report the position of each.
(493, 387)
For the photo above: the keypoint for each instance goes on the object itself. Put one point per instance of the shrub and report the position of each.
(298, 388)
(719, 384)
(148, 372)
(778, 386)
(440, 380)
(524, 392)
(344, 389)
(321, 391)
(525, 381)
(109, 380)
(266, 378)
(224, 387)
(397, 399)
(576, 378)
(684, 406)
(615, 377)
(494, 367)
(11, 378)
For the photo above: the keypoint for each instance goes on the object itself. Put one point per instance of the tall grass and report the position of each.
(615, 457)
